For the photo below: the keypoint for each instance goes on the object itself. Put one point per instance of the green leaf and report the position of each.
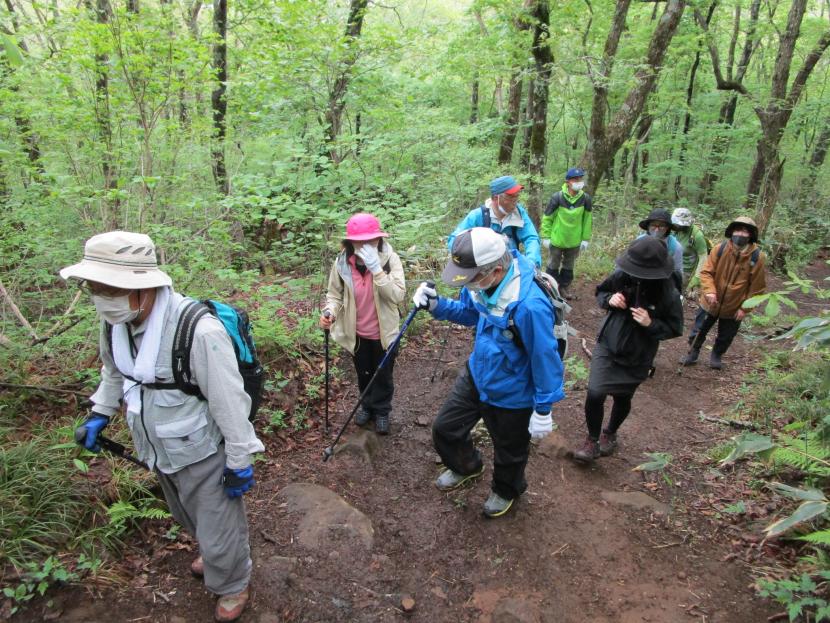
(748, 443)
(659, 461)
(773, 307)
(794, 493)
(820, 536)
(739, 508)
(81, 466)
(13, 54)
(805, 512)
(755, 300)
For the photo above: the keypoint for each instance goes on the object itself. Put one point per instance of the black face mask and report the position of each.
(740, 241)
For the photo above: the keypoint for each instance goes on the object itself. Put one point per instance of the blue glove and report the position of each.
(238, 481)
(87, 433)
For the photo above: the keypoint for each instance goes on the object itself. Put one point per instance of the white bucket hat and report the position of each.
(120, 259)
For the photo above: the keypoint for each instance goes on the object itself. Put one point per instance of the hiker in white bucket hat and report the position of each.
(200, 446)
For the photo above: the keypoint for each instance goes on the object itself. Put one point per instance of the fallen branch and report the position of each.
(725, 422)
(44, 388)
(16, 311)
(585, 350)
(53, 331)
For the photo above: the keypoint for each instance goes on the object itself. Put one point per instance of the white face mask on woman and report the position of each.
(115, 309)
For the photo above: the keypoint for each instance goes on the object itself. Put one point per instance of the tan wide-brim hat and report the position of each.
(120, 259)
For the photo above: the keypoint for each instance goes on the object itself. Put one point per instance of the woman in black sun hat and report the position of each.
(643, 308)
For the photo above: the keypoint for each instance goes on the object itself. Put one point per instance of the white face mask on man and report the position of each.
(577, 186)
(115, 309)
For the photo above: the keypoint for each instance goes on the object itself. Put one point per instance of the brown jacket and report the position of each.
(732, 278)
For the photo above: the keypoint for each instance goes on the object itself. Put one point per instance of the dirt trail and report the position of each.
(568, 553)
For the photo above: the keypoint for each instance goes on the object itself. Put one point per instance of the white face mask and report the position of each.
(115, 310)
(577, 186)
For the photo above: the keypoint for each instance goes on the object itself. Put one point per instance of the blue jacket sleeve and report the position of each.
(534, 321)
(530, 239)
(461, 312)
(473, 219)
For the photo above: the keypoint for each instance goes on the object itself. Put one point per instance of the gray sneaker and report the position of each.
(496, 506)
(449, 480)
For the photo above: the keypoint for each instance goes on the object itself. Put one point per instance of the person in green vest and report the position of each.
(695, 247)
(566, 228)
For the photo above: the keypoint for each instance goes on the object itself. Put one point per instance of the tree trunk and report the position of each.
(524, 158)
(817, 157)
(218, 101)
(605, 140)
(340, 86)
(474, 101)
(514, 103)
(543, 60)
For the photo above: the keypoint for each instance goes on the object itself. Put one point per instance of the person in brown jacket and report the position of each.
(733, 273)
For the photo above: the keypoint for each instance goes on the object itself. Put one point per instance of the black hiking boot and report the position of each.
(382, 424)
(362, 417)
(691, 357)
(588, 452)
(715, 361)
(607, 443)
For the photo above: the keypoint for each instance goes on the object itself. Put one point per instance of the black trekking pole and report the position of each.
(113, 447)
(328, 452)
(327, 314)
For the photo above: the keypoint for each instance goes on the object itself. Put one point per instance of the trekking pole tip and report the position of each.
(327, 453)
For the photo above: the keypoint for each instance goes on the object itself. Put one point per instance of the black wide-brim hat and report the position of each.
(647, 258)
(657, 214)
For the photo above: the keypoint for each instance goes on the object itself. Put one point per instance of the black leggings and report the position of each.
(595, 412)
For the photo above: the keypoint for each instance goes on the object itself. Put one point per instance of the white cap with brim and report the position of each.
(472, 249)
(120, 259)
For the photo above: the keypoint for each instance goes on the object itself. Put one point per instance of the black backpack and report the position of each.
(238, 326)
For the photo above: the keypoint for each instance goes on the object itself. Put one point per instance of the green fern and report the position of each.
(821, 537)
(812, 457)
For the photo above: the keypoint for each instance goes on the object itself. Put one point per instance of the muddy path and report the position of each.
(355, 538)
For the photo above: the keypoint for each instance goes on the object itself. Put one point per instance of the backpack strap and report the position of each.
(182, 345)
(721, 248)
(753, 259)
(485, 216)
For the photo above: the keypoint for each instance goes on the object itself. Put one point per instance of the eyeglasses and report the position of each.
(658, 225)
(93, 288)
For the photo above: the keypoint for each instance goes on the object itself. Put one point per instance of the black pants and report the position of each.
(508, 430)
(367, 356)
(595, 412)
(727, 330)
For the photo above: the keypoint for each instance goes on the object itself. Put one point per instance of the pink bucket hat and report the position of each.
(364, 226)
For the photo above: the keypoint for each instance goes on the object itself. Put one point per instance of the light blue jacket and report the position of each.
(507, 374)
(518, 227)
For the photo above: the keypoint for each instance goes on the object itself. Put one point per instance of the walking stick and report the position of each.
(327, 314)
(440, 356)
(113, 447)
(329, 452)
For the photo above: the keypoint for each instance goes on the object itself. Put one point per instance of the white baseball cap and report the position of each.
(472, 249)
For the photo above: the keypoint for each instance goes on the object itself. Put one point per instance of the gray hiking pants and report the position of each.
(561, 265)
(199, 503)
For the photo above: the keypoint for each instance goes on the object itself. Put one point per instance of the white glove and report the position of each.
(369, 254)
(425, 297)
(540, 425)
(583, 245)
(546, 243)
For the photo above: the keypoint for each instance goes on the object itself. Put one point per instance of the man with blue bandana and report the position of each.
(514, 374)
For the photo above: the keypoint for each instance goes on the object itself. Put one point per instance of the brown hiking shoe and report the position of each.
(588, 452)
(607, 443)
(230, 607)
(197, 568)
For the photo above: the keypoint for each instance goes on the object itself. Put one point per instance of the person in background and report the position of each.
(643, 308)
(503, 213)
(200, 447)
(366, 284)
(566, 228)
(695, 247)
(733, 273)
(658, 225)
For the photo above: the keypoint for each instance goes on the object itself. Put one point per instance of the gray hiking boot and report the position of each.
(715, 361)
(691, 357)
(382, 424)
(496, 506)
(588, 452)
(607, 443)
(449, 480)
(362, 417)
